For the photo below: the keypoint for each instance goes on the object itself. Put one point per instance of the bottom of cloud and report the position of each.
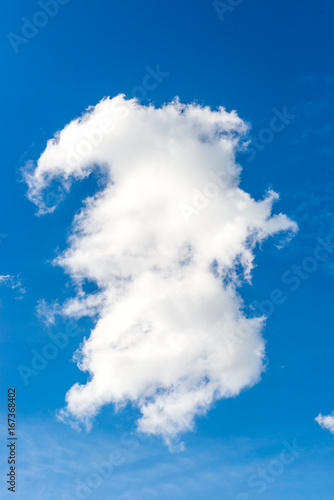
(326, 421)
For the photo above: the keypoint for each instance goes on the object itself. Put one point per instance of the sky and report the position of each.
(167, 249)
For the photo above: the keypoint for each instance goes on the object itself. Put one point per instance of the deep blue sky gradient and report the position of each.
(262, 56)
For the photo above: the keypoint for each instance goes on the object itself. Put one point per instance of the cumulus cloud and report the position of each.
(326, 421)
(167, 239)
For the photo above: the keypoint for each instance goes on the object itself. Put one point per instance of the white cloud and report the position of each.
(326, 421)
(164, 241)
(13, 282)
(6, 279)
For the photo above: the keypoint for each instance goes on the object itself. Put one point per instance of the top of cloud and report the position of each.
(163, 240)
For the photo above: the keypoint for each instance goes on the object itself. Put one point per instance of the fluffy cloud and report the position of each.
(326, 421)
(167, 240)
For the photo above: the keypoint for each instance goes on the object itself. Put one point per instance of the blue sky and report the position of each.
(261, 59)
